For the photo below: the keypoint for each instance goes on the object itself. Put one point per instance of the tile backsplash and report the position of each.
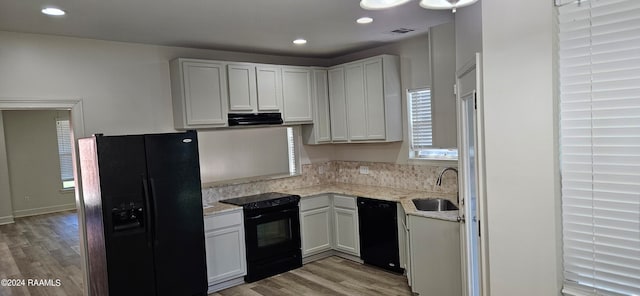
(404, 176)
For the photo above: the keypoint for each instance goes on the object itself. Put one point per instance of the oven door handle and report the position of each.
(255, 217)
(271, 214)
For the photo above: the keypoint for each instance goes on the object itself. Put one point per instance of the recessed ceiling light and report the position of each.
(364, 20)
(300, 41)
(53, 11)
(381, 4)
(445, 4)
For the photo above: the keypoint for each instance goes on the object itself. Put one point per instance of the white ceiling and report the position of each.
(260, 26)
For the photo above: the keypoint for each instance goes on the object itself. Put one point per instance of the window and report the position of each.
(291, 149)
(421, 127)
(63, 129)
(600, 146)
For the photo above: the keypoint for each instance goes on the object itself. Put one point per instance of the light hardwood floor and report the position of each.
(42, 247)
(47, 247)
(329, 276)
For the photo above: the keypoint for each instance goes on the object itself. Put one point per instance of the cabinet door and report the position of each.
(226, 257)
(204, 93)
(242, 87)
(347, 238)
(316, 231)
(322, 122)
(269, 83)
(443, 252)
(296, 94)
(374, 97)
(356, 102)
(337, 105)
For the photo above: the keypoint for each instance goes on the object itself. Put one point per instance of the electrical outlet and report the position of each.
(364, 170)
(27, 197)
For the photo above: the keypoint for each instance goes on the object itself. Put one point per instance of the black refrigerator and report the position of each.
(143, 213)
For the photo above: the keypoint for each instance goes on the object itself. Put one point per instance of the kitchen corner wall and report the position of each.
(402, 176)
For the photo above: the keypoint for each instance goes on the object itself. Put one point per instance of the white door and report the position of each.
(269, 84)
(296, 94)
(242, 87)
(374, 100)
(337, 105)
(471, 168)
(356, 102)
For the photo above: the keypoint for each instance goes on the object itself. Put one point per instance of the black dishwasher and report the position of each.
(379, 233)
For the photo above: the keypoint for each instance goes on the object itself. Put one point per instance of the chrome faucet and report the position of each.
(439, 180)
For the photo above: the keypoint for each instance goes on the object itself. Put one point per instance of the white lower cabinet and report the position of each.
(347, 231)
(315, 225)
(225, 248)
(434, 258)
(329, 223)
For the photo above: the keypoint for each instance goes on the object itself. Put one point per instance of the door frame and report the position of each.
(74, 106)
(474, 64)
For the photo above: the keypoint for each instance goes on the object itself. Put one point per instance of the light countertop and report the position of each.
(403, 196)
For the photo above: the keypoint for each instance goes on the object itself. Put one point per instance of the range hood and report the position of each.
(243, 119)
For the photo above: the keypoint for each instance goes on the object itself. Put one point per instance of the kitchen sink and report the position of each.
(434, 204)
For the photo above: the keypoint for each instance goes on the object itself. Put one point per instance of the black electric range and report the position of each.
(272, 233)
(263, 200)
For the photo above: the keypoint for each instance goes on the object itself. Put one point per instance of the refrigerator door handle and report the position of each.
(155, 211)
(147, 201)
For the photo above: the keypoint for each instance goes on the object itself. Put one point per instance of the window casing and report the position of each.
(421, 127)
(599, 58)
(63, 130)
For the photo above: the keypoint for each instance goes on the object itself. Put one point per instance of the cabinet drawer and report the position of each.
(223, 220)
(341, 201)
(314, 203)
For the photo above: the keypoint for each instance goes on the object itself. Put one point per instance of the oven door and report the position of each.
(271, 232)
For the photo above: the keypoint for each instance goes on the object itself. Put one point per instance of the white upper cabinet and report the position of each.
(254, 88)
(242, 88)
(373, 100)
(269, 84)
(296, 94)
(199, 93)
(337, 104)
(320, 131)
(356, 102)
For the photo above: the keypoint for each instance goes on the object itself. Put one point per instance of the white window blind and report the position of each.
(600, 146)
(291, 148)
(420, 124)
(63, 130)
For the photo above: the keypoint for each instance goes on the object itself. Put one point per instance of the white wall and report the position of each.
(125, 87)
(34, 165)
(242, 153)
(468, 22)
(6, 209)
(520, 143)
(442, 44)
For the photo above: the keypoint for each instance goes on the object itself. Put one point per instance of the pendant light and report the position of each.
(445, 4)
(381, 4)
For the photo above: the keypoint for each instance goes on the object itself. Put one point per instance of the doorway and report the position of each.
(471, 165)
(55, 232)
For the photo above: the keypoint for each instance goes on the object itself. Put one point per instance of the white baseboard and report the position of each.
(226, 285)
(6, 220)
(330, 253)
(44, 210)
